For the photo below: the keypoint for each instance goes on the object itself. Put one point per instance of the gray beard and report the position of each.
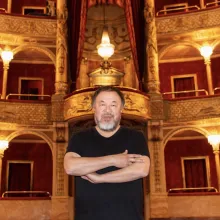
(106, 126)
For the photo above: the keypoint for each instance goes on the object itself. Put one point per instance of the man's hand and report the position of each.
(124, 159)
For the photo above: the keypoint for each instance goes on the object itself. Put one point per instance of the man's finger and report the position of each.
(126, 151)
(135, 155)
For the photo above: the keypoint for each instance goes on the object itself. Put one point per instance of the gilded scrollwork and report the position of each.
(62, 40)
(61, 87)
(26, 26)
(60, 148)
(80, 104)
(152, 51)
(188, 22)
(133, 104)
(136, 104)
(186, 110)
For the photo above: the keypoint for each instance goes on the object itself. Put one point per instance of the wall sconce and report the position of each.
(3, 147)
(206, 51)
(214, 140)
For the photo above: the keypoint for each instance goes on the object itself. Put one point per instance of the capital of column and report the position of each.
(5, 66)
(84, 61)
(215, 151)
(127, 59)
(1, 154)
(61, 87)
(207, 60)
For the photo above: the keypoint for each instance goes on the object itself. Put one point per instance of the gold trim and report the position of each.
(196, 158)
(33, 7)
(215, 3)
(19, 161)
(30, 78)
(172, 6)
(184, 76)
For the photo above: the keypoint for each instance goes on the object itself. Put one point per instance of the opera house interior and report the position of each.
(164, 55)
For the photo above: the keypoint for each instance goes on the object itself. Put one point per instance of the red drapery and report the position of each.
(195, 173)
(184, 84)
(19, 177)
(77, 26)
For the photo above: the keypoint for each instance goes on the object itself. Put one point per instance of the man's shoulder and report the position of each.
(82, 133)
(131, 131)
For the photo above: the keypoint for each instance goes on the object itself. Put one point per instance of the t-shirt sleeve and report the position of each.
(141, 145)
(74, 144)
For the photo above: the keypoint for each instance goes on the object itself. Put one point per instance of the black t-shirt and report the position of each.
(108, 201)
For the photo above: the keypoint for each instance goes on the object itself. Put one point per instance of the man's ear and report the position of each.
(122, 108)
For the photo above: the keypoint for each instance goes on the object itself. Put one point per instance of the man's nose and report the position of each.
(108, 109)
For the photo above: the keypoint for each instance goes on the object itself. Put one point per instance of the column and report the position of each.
(3, 147)
(60, 201)
(9, 6)
(128, 77)
(83, 77)
(214, 140)
(151, 80)
(206, 52)
(217, 167)
(158, 194)
(60, 179)
(61, 86)
(209, 75)
(202, 5)
(6, 56)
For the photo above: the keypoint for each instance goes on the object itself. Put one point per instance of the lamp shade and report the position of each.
(3, 147)
(214, 140)
(206, 51)
(105, 49)
(7, 55)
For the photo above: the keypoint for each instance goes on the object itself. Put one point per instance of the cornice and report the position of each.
(202, 19)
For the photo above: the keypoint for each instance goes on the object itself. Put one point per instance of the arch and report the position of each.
(215, 43)
(185, 43)
(37, 133)
(175, 131)
(37, 47)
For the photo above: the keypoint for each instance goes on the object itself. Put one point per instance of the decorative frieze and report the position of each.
(188, 21)
(192, 109)
(30, 27)
(79, 104)
(25, 113)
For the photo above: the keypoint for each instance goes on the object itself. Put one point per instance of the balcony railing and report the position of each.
(211, 4)
(193, 189)
(186, 91)
(215, 89)
(3, 10)
(177, 9)
(27, 95)
(26, 194)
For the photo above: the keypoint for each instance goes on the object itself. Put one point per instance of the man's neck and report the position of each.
(107, 133)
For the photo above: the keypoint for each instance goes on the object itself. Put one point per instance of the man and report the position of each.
(109, 162)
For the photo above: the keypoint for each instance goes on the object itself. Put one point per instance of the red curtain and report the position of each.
(195, 173)
(19, 177)
(77, 26)
(184, 84)
(74, 35)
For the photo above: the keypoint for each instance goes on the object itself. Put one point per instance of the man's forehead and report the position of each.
(108, 95)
